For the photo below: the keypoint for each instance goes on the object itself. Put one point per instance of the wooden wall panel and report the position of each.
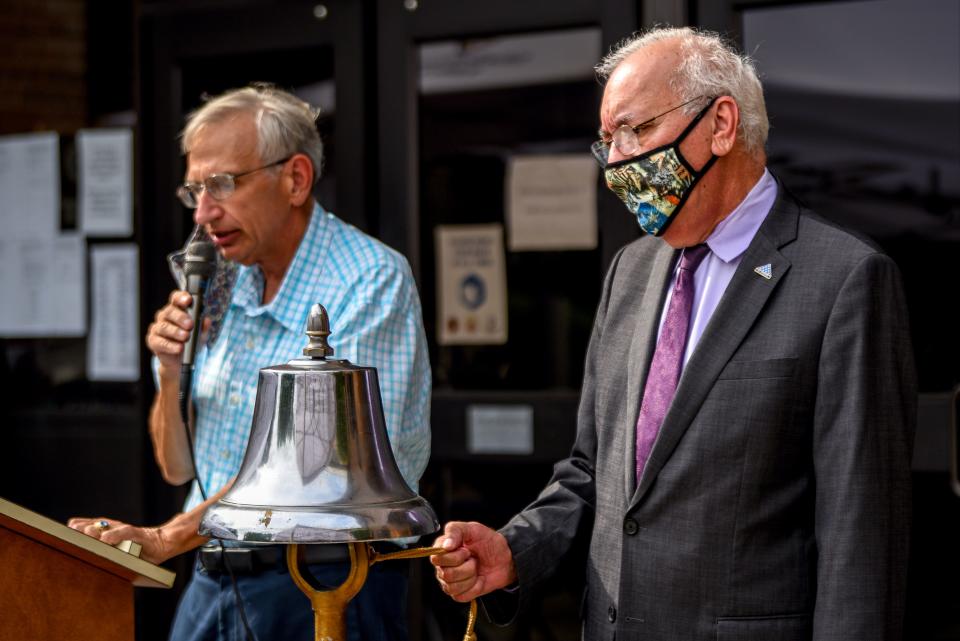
(43, 72)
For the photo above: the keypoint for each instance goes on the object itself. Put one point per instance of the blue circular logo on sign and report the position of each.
(473, 293)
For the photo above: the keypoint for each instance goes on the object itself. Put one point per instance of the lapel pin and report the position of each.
(764, 270)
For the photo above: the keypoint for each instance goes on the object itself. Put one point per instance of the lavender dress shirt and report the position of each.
(727, 244)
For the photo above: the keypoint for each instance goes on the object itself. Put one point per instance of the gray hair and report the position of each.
(709, 66)
(285, 124)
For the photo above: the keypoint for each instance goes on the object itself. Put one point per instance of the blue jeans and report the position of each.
(277, 610)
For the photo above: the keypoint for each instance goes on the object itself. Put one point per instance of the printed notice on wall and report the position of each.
(30, 186)
(43, 285)
(471, 285)
(551, 202)
(113, 351)
(500, 429)
(105, 181)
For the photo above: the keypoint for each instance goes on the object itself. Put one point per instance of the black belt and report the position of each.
(256, 559)
(252, 560)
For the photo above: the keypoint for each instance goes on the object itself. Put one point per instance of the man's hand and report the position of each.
(169, 331)
(176, 536)
(110, 531)
(477, 561)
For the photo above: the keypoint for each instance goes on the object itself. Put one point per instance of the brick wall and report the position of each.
(44, 65)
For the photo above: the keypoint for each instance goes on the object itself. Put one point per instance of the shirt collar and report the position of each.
(288, 306)
(735, 232)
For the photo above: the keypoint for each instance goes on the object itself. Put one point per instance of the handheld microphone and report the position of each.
(198, 268)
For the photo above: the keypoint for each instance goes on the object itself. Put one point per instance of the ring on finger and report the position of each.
(102, 525)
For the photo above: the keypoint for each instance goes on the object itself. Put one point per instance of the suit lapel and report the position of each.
(649, 309)
(743, 300)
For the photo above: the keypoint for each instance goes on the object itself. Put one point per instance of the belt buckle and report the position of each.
(211, 558)
(238, 560)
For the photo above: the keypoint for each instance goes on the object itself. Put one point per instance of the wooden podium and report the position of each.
(58, 584)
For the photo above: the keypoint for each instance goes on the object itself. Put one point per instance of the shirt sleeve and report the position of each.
(382, 327)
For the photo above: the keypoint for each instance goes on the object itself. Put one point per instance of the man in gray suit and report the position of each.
(742, 462)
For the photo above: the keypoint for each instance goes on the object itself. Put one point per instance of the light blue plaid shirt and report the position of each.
(375, 320)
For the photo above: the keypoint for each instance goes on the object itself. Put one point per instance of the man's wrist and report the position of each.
(168, 375)
(176, 536)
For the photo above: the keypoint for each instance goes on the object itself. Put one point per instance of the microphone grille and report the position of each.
(200, 259)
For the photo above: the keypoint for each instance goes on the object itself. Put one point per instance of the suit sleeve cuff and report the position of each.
(502, 606)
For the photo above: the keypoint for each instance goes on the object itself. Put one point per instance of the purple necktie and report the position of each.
(668, 357)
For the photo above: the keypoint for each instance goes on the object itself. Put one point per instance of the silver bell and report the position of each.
(318, 466)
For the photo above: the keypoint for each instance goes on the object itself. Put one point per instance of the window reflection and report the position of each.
(482, 102)
(864, 103)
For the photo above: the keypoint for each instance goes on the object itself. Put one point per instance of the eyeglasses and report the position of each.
(219, 186)
(627, 138)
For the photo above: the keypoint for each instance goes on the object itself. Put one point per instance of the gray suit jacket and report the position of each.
(776, 501)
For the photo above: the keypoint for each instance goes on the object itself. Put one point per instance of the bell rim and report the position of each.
(413, 499)
(319, 524)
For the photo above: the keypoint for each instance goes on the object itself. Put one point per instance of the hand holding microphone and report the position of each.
(175, 332)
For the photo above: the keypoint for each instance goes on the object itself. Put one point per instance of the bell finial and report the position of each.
(318, 328)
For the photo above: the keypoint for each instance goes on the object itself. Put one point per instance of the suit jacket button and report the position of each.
(612, 614)
(630, 527)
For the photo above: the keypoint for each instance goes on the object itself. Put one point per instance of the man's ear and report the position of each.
(301, 179)
(725, 125)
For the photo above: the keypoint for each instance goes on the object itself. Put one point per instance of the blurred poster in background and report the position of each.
(471, 285)
(551, 202)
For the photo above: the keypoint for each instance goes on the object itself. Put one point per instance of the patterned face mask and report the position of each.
(655, 185)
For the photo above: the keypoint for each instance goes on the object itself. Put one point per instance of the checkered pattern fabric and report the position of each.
(375, 320)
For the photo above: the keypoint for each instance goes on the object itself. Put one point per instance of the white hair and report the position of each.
(285, 124)
(709, 66)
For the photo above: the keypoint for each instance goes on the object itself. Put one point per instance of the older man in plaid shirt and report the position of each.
(253, 156)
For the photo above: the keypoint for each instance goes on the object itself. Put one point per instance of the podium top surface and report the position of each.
(86, 548)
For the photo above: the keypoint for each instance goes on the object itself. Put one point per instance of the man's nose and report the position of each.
(208, 209)
(616, 155)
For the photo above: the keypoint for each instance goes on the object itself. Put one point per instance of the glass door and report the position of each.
(487, 113)
(864, 103)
